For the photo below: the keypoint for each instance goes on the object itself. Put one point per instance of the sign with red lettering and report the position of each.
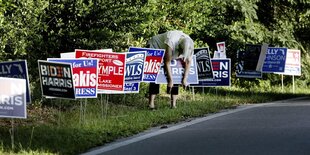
(91, 53)
(152, 62)
(221, 50)
(111, 72)
(222, 73)
(85, 74)
(293, 63)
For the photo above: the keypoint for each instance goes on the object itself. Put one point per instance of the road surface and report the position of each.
(277, 128)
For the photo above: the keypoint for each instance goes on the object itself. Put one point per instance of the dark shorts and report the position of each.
(154, 89)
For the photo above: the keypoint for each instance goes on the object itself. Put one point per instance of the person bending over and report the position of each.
(177, 45)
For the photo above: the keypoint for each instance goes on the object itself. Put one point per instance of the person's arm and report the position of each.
(167, 61)
(187, 63)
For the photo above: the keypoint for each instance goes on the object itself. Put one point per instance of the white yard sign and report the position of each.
(293, 63)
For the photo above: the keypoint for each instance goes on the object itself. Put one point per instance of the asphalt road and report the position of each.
(280, 128)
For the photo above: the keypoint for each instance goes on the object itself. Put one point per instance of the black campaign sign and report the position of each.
(56, 79)
(204, 65)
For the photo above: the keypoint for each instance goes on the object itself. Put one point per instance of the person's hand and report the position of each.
(184, 83)
(182, 60)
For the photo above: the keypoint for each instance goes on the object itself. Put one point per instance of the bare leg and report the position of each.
(151, 101)
(174, 101)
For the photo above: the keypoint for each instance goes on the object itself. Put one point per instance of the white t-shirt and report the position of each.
(172, 39)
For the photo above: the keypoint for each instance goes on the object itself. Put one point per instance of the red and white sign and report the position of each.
(293, 62)
(111, 73)
(85, 75)
(221, 50)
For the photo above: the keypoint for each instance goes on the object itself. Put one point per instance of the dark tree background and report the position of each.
(38, 29)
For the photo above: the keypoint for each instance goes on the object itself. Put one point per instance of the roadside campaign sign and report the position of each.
(250, 61)
(67, 55)
(13, 98)
(56, 79)
(131, 87)
(72, 54)
(221, 50)
(177, 71)
(204, 66)
(221, 72)
(134, 66)
(153, 60)
(134, 77)
(134, 72)
(111, 75)
(275, 60)
(85, 76)
(128, 87)
(16, 69)
(293, 62)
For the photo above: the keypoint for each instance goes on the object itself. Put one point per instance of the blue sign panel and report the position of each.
(177, 71)
(275, 60)
(134, 72)
(13, 98)
(128, 88)
(152, 62)
(221, 72)
(134, 66)
(16, 69)
(131, 87)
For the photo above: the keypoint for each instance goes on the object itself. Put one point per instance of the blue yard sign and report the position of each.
(152, 63)
(128, 88)
(221, 72)
(134, 71)
(13, 98)
(275, 60)
(134, 66)
(131, 87)
(16, 69)
(177, 71)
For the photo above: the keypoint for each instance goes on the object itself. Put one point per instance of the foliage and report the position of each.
(38, 29)
(20, 26)
(35, 30)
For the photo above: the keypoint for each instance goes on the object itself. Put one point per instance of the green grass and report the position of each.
(62, 130)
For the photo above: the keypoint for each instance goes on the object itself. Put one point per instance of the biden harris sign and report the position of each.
(85, 74)
(56, 79)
